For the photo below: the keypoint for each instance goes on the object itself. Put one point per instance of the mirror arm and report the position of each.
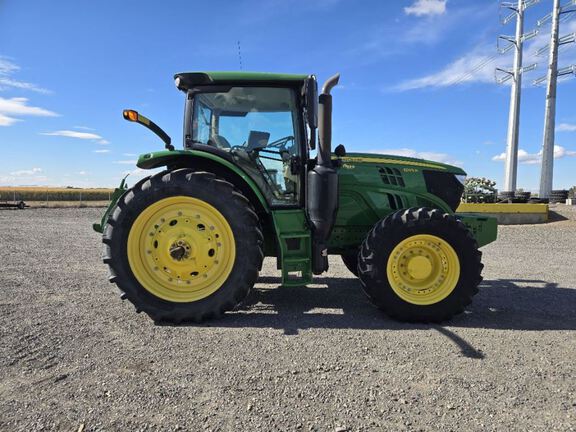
(134, 116)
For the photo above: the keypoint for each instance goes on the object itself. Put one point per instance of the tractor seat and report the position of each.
(219, 141)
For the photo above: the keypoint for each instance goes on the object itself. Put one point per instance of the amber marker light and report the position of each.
(130, 115)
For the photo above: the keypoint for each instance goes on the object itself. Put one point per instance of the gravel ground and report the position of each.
(74, 357)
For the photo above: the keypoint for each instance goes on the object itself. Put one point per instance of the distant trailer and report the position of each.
(14, 204)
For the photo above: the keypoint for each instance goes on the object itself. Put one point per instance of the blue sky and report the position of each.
(68, 68)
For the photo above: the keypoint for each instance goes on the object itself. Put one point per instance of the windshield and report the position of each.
(258, 127)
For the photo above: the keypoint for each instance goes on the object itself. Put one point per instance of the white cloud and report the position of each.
(90, 136)
(566, 127)
(478, 65)
(133, 172)
(560, 152)
(7, 121)
(84, 128)
(32, 176)
(426, 8)
(7, 69)
(129, 154)
(74, 134)
(101, 151)
(535, 158)
(463, 70)
(15, 107)
(523, 157)
(82, 173)
(126, 162)
(26, 172)
(406, 152)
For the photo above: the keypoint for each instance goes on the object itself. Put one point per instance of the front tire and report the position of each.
(183, 246)
(420, 265)
(350, 260)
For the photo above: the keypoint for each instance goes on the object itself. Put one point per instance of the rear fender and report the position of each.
(220, 164)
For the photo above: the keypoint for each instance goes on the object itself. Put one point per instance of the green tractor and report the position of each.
(187, 243)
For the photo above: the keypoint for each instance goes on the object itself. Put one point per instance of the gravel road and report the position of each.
(74, 357)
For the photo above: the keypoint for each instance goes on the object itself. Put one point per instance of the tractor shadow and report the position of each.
(502, 304)
(339, 303)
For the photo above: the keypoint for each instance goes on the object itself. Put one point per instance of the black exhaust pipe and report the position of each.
(325, 122)
(322, 197)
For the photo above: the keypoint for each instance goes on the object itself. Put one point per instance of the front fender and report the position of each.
(118, 192)
(484, 228)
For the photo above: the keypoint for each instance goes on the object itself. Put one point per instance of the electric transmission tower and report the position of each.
(515, 75)
(547, 170)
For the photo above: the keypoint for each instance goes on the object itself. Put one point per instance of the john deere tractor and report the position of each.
(187, 243)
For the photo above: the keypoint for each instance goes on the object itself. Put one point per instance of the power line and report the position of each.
(485, 62)
(472, 71)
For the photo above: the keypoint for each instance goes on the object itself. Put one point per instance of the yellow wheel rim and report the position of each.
(181, 249)
(423, 269)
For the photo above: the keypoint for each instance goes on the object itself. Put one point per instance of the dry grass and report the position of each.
(66, 204)
(48, 195)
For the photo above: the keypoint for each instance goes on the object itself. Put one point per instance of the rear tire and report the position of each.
(420, 265)
(186, 274)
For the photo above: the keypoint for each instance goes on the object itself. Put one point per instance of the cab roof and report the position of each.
(186, 80)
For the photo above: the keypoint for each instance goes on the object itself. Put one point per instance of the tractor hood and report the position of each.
(401, 161)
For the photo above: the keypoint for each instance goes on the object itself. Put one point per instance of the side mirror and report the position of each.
(311, 104)
(340, 151)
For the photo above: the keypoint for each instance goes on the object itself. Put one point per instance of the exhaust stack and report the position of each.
(325, 123)
(322, 197)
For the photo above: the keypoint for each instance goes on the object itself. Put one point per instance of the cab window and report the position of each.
(258, 126)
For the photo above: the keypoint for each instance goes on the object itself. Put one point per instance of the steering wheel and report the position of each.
(280, 143)
(275, 147)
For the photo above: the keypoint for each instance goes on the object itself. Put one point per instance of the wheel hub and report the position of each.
(423, 269)
(181, 249)
(419, 267)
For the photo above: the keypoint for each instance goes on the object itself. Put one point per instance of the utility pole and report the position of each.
(515, 75)
(547, 170)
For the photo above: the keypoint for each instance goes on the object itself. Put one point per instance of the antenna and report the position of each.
(240, 55)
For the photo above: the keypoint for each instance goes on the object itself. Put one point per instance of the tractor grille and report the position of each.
(445, 186)
(391, 176)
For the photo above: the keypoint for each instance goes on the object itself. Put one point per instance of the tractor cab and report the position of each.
(266, 124)
(259, 128)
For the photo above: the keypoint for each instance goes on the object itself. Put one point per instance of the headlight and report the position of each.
(461, 178)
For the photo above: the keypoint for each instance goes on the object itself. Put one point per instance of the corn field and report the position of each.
(54, 195)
